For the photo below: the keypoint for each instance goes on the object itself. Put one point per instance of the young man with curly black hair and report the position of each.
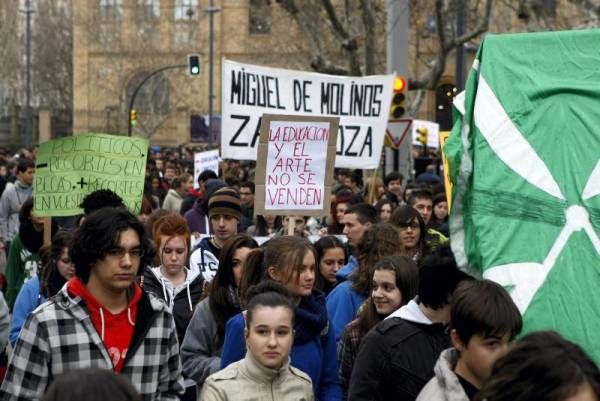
(101, 318)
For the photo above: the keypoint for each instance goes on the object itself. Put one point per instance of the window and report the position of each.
(186, 10)
(148, 10)
(110, 10)
(185, 35)
(259, 16)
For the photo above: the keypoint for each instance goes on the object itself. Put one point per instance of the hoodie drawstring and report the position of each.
(189, 296)
(131, 322)
(102, 323)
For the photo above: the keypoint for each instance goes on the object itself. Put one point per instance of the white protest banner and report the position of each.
(361, 103)
(294, 172)
(208, 160)
(432, 129)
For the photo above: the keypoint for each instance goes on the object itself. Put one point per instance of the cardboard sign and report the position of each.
(203, 161)
(294, 172)
(361, 103)
(432, 129)
(67, 169)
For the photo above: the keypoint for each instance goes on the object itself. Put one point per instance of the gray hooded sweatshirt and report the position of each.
(444, 386)
(13, 197)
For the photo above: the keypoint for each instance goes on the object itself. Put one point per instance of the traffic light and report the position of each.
(133, 117)
(423, 135)
(194, 64)
(398, 108)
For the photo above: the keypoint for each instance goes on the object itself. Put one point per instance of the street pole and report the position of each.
(137, 89)
(28, 115)
(211, 10)
(397, 61)
(460, 49)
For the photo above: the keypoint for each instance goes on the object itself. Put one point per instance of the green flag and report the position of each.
(524, 162)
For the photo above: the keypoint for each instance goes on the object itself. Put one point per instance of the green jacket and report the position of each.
(21, 265)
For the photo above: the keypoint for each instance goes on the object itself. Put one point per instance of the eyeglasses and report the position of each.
(120, 253)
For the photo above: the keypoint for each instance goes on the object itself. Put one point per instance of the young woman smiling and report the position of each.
(395, 281)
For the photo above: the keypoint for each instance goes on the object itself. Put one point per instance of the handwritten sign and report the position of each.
(361, 103)
(295, 165)
(67, 169)
(203, 161)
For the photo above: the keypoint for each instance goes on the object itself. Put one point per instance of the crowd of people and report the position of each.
(198, 298)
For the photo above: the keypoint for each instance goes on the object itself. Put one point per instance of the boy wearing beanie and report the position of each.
(224, 213)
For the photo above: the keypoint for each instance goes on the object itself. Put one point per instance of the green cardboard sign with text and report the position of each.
(67, 169)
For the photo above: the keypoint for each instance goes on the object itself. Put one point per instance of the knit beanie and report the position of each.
(225, 201)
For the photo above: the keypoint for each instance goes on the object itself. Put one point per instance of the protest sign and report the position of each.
(67, 169)
(431, 129)
(203, 161)
(361, 103)
(294, 171)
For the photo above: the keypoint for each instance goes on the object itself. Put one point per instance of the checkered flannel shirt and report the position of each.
(59, 337)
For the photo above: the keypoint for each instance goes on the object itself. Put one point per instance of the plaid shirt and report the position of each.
(59, 337)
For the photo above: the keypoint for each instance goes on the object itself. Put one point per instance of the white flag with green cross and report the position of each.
(524, 161)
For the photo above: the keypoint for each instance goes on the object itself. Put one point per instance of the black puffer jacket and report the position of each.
(396, 360)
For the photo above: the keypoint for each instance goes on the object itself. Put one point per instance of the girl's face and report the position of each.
(270, 335)
(270, 219)
(331, 261)
(410, 234)
(340, 210)
(237, 264)
(173, 254)
(64, 264)
(385, 213)
(441, 210)
(155, 183)
(386, 295)
(302, 280)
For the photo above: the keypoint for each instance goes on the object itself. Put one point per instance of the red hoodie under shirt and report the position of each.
(118, 328)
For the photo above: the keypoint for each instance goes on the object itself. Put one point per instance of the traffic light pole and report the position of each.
(397, 62)
(137, 89)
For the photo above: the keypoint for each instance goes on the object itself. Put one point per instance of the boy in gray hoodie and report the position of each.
(483, 321)
(13, 198)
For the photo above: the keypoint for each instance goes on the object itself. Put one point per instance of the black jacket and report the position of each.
(184, 302)
(396, 360)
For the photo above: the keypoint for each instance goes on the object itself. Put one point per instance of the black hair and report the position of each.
(100, 198)
(248, 184)
(206, 175)
(100, 232)
(438, 278)
(31, 238)
(262, 228)
(485, 308)
(223, 294)
(92, 384)
(542, 366)
(403, 216)
(393, 176)
(419, 193)
(364, 212)
(23, 164)
(50, 279)
(322, 246)
(268, 293)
